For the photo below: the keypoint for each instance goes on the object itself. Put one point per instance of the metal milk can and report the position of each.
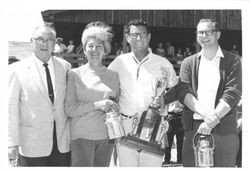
(203, 151)
(114, 124)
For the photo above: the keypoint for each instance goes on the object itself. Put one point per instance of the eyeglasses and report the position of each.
(41, 40)
(207, 32)
(135, 35)
(98, 46)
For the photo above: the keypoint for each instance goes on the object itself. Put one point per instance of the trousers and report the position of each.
(55, 159)
(130, 157)
(91, 153)
(175, 129)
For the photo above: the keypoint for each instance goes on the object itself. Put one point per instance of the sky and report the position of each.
(21, 25)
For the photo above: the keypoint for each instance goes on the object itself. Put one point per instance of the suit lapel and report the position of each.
(58, 72)
(35, 76)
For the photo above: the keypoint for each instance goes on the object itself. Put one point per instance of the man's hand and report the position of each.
(211, 119)
(13, 154)
(159, 101)
(204, 129)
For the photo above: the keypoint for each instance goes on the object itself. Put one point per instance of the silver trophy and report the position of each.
(148, 130)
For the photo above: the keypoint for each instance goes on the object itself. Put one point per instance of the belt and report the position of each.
(177, 114)
(198, 120)
(130, 117)
(172, 113)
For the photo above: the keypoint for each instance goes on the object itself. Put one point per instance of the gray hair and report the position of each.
(98, 30)
(45, 26)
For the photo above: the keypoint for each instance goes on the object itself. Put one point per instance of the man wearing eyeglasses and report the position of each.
(211, 85)
(137, 71)
(38, 128)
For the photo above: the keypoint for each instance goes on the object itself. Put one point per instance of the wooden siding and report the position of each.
(227, 19)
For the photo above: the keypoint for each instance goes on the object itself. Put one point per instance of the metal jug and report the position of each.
(114, 124)
(203, 151)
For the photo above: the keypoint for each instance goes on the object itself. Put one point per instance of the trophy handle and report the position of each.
(198, 134)
(164, 126)
(135, 123)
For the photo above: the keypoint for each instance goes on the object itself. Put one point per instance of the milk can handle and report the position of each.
(205, 135)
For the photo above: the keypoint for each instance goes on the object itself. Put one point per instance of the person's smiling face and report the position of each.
(207, 35)
(43, 43)
(94, 50)
(138, 37)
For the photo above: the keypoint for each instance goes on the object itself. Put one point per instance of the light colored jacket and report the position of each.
(31, 113)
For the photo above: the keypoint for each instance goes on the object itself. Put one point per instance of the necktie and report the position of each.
(49, 83)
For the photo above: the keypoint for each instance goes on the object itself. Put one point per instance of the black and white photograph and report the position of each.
(116, 84)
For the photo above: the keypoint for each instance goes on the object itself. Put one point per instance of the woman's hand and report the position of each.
(106, 104)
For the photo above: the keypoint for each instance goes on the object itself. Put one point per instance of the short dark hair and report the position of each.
(137, 22)
(213, 22)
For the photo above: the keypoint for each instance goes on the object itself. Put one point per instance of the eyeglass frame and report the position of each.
(135, 35)
(41, 40)
(97, 46)
(200, 33)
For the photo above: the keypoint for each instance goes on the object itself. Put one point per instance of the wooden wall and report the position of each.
(227, 19)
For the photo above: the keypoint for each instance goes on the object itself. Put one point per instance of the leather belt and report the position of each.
(198, 120)
(176, 114)
(130, 117)
(172, 113)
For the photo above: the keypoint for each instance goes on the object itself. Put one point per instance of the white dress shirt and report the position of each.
(42, 72)
(208, 81)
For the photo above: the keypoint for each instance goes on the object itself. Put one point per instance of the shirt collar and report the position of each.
(219, 53)
(40, 63)
(143, 60)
